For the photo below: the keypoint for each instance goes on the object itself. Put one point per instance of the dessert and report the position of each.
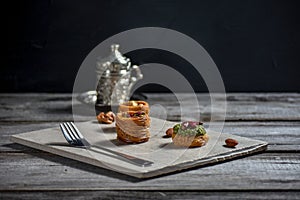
(189, 134)
(133, 122)
(134, 106)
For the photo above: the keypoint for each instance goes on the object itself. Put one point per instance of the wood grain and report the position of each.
(137, 195)
(43, 171)
(273, 117)
(240, 107)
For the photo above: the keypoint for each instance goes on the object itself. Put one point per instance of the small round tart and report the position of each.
(189, 134)
(134, 106)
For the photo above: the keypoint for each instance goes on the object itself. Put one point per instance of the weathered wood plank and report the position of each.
(23, 168)
(281, 136)
(34, 171)
(37, 107)
(240, 106)
(121, 195)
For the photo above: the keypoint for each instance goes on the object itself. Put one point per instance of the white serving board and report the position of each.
(166, 157)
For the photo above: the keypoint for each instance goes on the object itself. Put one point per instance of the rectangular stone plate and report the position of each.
(166, 157)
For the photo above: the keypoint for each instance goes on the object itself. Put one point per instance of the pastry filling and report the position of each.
(189, 129)
(138, 114)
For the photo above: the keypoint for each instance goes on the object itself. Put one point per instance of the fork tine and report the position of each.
(66, 134)
(76, 129)
(82, 140)
(69, 132)
(74, 137)
(75, 134)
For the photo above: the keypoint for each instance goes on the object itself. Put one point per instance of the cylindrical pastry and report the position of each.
(133, 126)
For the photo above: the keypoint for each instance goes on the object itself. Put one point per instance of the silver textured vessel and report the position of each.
(115, 76)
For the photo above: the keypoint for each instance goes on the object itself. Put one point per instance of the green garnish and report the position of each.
(176, 128)
(198, 130)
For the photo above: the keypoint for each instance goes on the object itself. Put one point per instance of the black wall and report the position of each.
(255, 43)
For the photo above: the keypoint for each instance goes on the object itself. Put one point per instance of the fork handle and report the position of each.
(134, 160)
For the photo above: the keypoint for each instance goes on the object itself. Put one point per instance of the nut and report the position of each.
(111, 116)
(169, 132)
(107, 118)
(231, 142)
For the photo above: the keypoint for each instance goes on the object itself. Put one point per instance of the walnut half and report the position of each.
(106, 118)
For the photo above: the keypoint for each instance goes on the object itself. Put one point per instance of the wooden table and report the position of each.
(27, 173)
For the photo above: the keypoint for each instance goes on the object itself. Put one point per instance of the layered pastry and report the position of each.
(189, 134)
(134, 106)
(133, 126)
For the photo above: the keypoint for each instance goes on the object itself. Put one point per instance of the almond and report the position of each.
(169, 132)
(231, 142)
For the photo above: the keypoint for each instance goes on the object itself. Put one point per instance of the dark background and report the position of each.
(255, 43)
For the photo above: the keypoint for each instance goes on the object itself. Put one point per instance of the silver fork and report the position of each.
(74, 137)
